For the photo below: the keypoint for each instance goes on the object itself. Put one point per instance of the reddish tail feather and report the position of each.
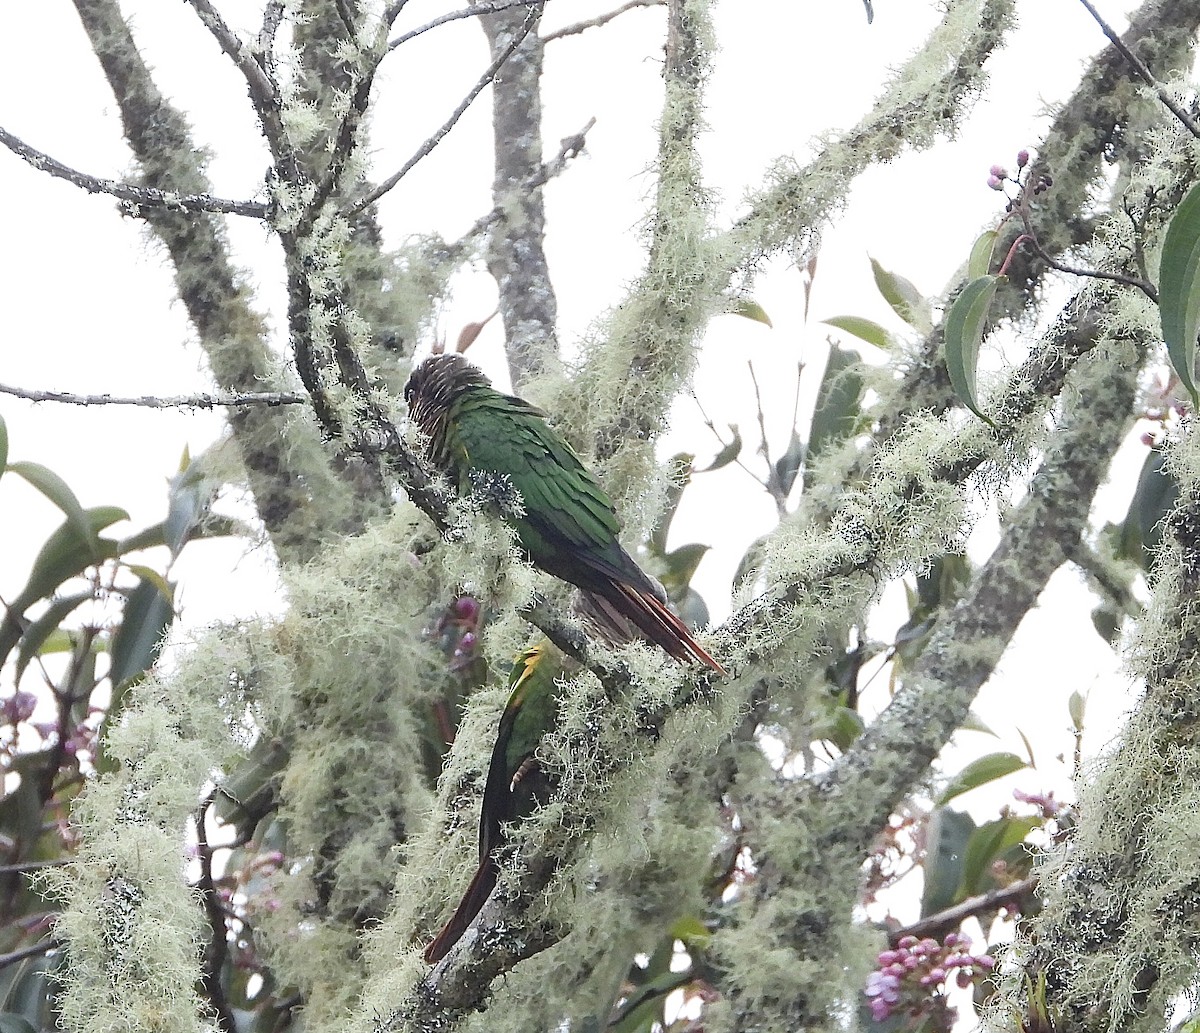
(662, 627)
(482, 884)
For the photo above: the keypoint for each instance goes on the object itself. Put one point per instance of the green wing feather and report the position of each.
(570, 527)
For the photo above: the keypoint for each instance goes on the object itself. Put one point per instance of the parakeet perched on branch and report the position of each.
(515, 782)
(566, 522)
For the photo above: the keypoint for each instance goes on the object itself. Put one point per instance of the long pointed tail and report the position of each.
(661, 626)
(482, 884)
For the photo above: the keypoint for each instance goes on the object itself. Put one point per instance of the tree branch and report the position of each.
(1146, 75)
(600, 19)
(437, 137)
(516, 254)
(484, 8)
(200, 401)
(135, 196)
(950, 919)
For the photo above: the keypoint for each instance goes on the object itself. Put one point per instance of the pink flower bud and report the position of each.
(907, 941)
(466, 608)
(999, 172)
(995, 182)
(1022, 158)
(888, 957)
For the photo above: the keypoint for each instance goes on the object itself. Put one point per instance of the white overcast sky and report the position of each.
(88, 300)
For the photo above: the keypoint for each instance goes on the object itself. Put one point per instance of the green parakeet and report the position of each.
(515, 782)
(566, 522)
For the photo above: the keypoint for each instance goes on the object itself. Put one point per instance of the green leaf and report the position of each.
(1028, 748)
(138, 640)
(35, 636)
(863, 329)
(750, 309)
(1154, 497)
(988, 844)
(979, 772)
(906, 301)
(680, 566)
(836, 414)
(974, 723)
(11, 1022)
(57, 491)
(787, 466)
(63, 555)
(189, 496)
(727, 454)
(965, 323)
(981, 255)
(680, 476)
(949, 832)
(1179, 290)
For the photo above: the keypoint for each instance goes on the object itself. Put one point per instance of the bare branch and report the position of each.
(570, 147)
(261, 86)
(436, 138)
(272, 16)
(1146, 75)
(134, 195)
(953, 917)
(600, 19)
(488, 7)
(44, 947)
(200, 401)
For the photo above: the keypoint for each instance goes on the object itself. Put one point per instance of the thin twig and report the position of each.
(201, 401)
(600, 19)
(44, 947)
(32, 866)
(261, 85)
(954, 916)
(436, 138)
(1147, 76)
(142, 196)
(488, 7)
(570, 147)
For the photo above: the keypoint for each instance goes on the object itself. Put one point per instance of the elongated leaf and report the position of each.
(837, 410)
(964, 337)
(1179, 290)
(681, 475)
(138, 640)
(64, 555)
(728, 454)
(188, 499)
(57, 491)
(864, 329)
(979, 772)
(906, 301)
(750, 309)
(3, 445)
(40, 630)
(946, 848)
(1154, 497)
(988, 844)
(981, 255)
(787, 466)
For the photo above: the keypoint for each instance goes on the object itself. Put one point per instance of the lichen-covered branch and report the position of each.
(516, 253)
(135, 196)
(299, 498)
(1118, 937)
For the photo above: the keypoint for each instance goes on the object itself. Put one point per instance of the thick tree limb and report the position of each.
(516, 254)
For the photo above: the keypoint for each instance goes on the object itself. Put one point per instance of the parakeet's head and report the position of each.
(435, 384)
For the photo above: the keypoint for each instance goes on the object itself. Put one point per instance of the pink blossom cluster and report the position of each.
(913, 974)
